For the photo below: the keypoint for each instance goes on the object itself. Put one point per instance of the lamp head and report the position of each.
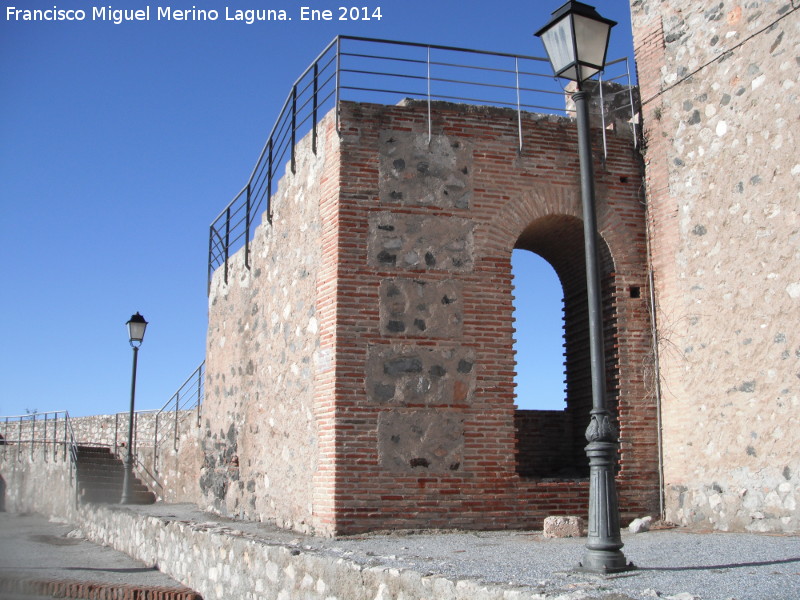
(136, 328)
(576, 41)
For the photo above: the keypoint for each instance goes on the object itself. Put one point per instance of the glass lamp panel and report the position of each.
(592, 41)
(136, 328)
(559, 45)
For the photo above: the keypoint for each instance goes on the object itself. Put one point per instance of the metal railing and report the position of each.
(188, 396)
(384, 72)
(52, 431)
(165, 421)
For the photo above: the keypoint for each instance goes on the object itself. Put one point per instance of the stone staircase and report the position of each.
(100, 477)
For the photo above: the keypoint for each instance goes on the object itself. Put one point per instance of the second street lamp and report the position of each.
(136, 328)
(576, 41)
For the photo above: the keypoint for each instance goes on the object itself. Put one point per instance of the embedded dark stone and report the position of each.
(695, 118)
(423, 167)
(699, 230)
(420, 324)
(419, 462)
(455, 466)
(430, 259)
(394, 195)
(399, 164)
(751, 451)
(747, 386)
(386, 227)
(384, 392)
(787, 473)
(399, 366)
(392, 291)
(437, 371)
(387, 258)
(464, 366)
(396, 326)
(447, 300)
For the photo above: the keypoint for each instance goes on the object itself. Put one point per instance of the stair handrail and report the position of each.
(192, 390)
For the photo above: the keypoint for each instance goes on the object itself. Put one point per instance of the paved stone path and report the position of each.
(40, 555)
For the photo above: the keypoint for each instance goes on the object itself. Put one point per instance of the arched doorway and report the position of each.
(550, 443)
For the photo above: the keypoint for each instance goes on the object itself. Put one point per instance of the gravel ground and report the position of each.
(676, 563)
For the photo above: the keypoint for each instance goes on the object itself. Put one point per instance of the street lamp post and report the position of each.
(576, 41)
(136, 328)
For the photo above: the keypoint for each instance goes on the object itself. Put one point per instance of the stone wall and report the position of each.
(425, 396)
(266, 354)
(38, 479)
(720, 105)
(360, 372)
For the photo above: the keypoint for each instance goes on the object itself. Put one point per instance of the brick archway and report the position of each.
(551, 443)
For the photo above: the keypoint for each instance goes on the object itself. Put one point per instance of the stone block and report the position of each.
(416, 170)
(410, 307)
(420, 242)
(407, 374)
(563, 527)
(421, 441)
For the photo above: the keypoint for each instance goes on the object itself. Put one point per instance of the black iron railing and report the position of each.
(384, 72)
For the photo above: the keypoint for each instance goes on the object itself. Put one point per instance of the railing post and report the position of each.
(19, 437)
(430, 129)
(294, 125)
(44, 441)
(33, 432)
(519, 109)
(211, 232)
(175, 437)
(247, 229)
(338, 79)
(314, 111)
(199, 391)
(66, 439)
(269, 181)
(227, 239)
(116, 431)
(55, 435)
(630, 97)
(603, 116)
(155, 445)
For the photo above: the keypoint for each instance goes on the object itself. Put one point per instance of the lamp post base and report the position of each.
(604, 561)
(604, 546)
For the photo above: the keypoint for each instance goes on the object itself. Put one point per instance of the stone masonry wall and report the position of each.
(720, 106)
(37, 479)
(265, 357)
(359, 374)
(424, 397)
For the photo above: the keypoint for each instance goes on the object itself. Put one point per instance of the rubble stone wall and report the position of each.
(721, 108)
(265, 355)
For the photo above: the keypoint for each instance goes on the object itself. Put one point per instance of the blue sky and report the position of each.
(120, 144)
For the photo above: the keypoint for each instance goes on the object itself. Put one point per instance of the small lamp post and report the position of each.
(136, 328)
(576, 41)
